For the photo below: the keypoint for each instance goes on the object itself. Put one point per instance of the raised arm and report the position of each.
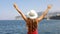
(23, 16)
(44, 13)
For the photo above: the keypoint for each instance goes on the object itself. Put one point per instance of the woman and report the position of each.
(32, 19)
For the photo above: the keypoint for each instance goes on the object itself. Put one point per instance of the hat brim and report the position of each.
(32, 17)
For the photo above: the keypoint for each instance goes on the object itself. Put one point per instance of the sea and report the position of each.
(19, 27)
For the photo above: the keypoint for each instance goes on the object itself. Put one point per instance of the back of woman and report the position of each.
(32, 26)
(32, 19)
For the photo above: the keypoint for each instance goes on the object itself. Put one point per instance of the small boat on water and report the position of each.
(48, 18)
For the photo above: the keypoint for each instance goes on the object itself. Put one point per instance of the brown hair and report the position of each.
(32, 24)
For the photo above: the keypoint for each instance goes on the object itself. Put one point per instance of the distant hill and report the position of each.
(50, 13)
(40, 13)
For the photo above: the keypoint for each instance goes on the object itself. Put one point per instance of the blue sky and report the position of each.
(8, 12)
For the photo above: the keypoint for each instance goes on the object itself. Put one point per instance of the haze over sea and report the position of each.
(19, 27)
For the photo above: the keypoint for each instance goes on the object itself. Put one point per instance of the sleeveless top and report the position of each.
(32, 25)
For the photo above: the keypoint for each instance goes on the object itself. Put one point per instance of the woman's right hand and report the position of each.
(49, 6)
(15, 6)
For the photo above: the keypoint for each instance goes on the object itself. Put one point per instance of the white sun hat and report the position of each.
(32, 14)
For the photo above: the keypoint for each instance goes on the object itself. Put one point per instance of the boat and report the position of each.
(57, 17)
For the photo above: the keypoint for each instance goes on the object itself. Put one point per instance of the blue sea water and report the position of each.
(19, 27)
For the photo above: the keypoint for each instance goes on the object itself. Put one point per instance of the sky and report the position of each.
(8, 12)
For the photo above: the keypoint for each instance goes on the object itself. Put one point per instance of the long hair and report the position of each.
(32, 24)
